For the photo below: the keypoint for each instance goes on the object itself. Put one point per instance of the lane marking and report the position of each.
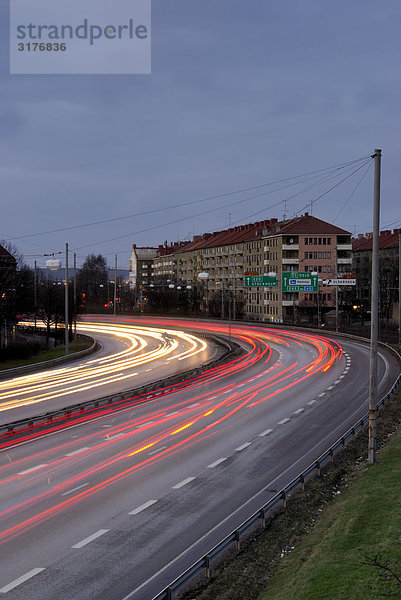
(266, 432)
(32, 469)
(311, 402)
(337, 381)
(330, 387)
(342, 376)
(283, 421)
(322, 394)
(158, 450)
(22, 579)
(213, 398)
(113, 437)
(144, 424)
(142, 507)
(216, 462)
(76, 451)
(74, 489)
(299, 411)
(243, 446)
(90, 538)
(182, 483)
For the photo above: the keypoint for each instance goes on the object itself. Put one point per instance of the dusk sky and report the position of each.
(242, 93)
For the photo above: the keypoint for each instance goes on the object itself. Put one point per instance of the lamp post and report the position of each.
(203, 276)
(315, 273)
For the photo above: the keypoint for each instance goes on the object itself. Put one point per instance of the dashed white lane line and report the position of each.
(283, 421)
(337, 381)
(330, 387)
(172, 413)
(213, 398)
(77, 451)
(113, 437)
(182, 483)
(32, 469)
(74, 489)
(90, 538)
(142, 507)
(192, 405)
(216, 462)
(299, 411)
(144, 424)
(243, 446)
(321, 395)
(22, 579)
(158, 450)
(266, 432)
(342, 376)
(311, 402)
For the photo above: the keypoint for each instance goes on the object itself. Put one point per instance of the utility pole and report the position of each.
(75, 296)
(115, 285)
(374, 312)
(35, 290)
(235, 288)
(399, 289)
(66, 300)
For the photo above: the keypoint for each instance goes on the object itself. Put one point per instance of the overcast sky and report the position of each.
(242, 93)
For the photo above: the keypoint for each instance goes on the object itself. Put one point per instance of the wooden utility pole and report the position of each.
(374, 337)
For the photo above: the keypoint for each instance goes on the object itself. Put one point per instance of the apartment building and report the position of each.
(141, 266)
(388, 272)
(304, 243)
(226, 256)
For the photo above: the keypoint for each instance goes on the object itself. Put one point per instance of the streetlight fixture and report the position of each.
(204, 276)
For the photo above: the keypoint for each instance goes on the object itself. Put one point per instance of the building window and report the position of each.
(306, 241)
(324, 241)
(329, 269)
(329, 241)
(329, 255)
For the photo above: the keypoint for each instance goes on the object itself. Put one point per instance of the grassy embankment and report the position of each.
(77, 346)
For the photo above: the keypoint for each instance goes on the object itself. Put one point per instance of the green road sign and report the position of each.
(300, 281)
(259, 281)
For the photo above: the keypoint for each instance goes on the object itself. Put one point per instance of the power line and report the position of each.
(189, 203)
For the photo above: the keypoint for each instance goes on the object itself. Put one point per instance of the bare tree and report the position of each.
(390, 578)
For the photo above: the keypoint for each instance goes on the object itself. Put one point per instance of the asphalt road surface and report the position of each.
(116, 506)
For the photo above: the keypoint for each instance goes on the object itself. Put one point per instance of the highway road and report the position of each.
(116, 506)
(129, 357)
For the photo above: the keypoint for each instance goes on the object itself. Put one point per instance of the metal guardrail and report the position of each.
(202, 566)
(149, 391)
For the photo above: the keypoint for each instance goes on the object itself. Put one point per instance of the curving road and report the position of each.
(114, 507)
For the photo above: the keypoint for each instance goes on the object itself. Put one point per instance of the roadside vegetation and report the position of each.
(37, 354)
(338, 540)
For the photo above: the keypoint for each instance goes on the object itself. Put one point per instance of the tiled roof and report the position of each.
(309, 224)
(387, 239)
(234, 235)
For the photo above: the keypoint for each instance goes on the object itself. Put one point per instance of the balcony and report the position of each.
(290, 246)
(290, 303)
(290, 261)
(344, 261)
(344, 247)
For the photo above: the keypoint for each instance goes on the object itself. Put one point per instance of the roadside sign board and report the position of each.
(339, 281)
(300, 281)
(259, 281)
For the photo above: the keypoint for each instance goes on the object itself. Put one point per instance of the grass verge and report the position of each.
(77, 346)
(314, 549)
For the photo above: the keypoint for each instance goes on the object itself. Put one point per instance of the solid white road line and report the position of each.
(142, 507)
(182, 483)
(32, 469)
(22, 579)
(243, 446)
(266, 432)
(74, 489)
(90, 538)
(76, 451)
(216, 462)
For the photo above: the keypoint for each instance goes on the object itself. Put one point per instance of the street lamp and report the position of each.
(204, 276)
(315, 273)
